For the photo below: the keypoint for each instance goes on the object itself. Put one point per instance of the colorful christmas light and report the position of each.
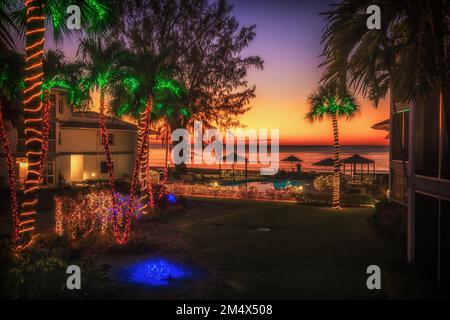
(82, 215)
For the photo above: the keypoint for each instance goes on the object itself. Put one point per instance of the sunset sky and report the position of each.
(288, 39)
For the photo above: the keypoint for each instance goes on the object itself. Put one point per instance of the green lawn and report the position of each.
(309, 252)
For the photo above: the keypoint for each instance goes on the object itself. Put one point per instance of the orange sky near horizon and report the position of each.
(286, 113)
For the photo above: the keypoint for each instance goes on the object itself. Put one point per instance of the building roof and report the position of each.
(383, 125)
(357, 159)
(94, 125)
(328, 162)
(292, 159)
(89, 120)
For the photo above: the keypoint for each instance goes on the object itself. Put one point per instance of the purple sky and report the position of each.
(288, 39)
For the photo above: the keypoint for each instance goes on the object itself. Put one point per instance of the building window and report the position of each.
(432, 237)
(104, 167)
(52, 135)
(444, 270)
(53, 105)
(427, 135)
(400, 134)
(111, 139)
(445, 167)
(61, 106)
(59, 137)
(50, 172)
(426, 234)
(399, 187)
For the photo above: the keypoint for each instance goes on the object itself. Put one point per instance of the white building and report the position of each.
(75, 150)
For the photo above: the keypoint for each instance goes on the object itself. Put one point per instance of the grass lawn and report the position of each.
(308, 252)
(300, 252)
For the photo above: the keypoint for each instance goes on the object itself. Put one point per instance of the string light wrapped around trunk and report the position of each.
(35, 26)
(11, 175)
(45, 134)
(144, 131)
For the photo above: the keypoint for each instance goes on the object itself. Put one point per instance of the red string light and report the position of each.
(45, 135)
(11, 175)
(144, 131)
(105, 143)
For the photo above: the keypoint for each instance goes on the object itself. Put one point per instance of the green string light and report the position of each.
(100, 9)
(163, 84)
(131, 84)
(103, 79)
(57, 18)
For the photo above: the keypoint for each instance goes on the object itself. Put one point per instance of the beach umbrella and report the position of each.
(383, 125)
(236, 158)
(328, 162)
(292, 159)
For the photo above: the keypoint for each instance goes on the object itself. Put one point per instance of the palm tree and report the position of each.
(328, 101)
(405, 57)
(132, 95)
(11, 79)
(34, 17)
(100, 65)
(410, 42)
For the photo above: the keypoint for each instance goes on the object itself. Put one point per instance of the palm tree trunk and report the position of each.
(35, 26)
(144, 130)
(105, 143)
(336, 180)
(45, 135)
(141, 170)
(11, 176)
(144, 173)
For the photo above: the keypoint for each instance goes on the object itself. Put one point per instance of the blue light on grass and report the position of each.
(171, 198)
(157, 272)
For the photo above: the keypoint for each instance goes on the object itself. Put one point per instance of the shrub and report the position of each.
(390, 219)
(39, 271)
(357, 200)
(324, 183)
(325, 199)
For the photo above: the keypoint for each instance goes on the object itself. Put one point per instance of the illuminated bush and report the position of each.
(81, 214)
(323, 183)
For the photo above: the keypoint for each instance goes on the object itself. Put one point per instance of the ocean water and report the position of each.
(309, 155)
